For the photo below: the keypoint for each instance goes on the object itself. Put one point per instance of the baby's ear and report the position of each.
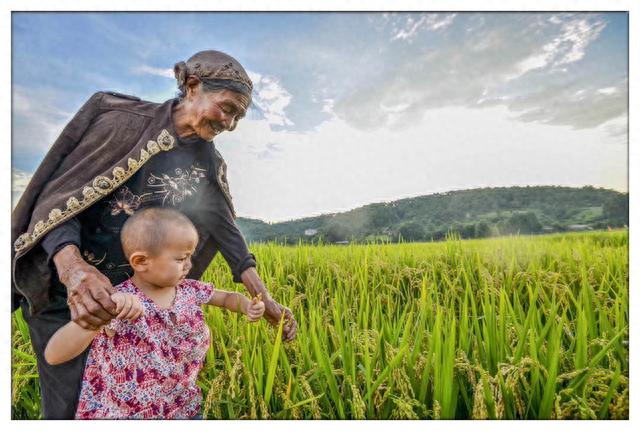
(138, 261)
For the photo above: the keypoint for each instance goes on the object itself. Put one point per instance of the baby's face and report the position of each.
(172, 264)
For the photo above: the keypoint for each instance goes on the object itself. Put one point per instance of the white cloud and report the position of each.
(486, 66)
(554, 19)
(618, 129)
(410, 30)
(19, 181)
(271, 98)
(567, 47)
(411, 27)
(575, 39)
(536, 61)
(608, 90)
(35, 103)
(157, 71)
(337, 167)
(37, 119)
(268, 152)
(562, 104)
(437, 21)
(395, 109)
(327, 106)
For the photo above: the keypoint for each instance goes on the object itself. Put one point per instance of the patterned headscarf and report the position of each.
(216, 70)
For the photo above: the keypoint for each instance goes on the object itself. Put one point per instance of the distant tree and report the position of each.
(482, 230)
(439, 235)
(560, 227)
(412, 231)
(468, 231)
(382, 217)
(616, 210)
(599, 225)
(553, 206)
(337, 232)
(524, 223)
(561, 212)
(456, 228)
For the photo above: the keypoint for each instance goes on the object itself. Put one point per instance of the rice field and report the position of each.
(506, 328)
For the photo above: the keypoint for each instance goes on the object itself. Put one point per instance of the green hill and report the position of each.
(476, 213)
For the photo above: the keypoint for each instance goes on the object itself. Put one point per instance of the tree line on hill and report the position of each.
(477, 213)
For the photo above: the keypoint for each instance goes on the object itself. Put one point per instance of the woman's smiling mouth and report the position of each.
(216, 130)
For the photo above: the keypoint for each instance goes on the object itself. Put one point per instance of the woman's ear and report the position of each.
(193, 82)
(139, 261)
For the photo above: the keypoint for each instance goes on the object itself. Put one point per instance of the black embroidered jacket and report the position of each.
(185, 174)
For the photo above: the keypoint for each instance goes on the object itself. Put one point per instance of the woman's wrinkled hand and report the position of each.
(88, 290)
(273, 311)
(290, 327)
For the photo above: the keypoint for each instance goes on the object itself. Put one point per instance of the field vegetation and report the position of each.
(508, 328)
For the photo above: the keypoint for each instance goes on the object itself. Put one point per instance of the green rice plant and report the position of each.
(522, 327)
(273, 363)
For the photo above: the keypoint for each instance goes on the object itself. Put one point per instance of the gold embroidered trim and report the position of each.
(95, 190)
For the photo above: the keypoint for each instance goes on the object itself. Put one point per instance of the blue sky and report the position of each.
(353, 108)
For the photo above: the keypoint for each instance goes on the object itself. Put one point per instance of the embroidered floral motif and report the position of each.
(152, 147)
(55, 214)
(73, 203)
(165, 141)
(22, 240)
(124, 200)
(102, 185)
(118, 173)
(98, 187)
(39, 228)
(179, 187)
(91, 258)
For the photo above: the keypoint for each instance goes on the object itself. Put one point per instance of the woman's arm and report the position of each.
(218, 219)
(273, 311)
(68, 342)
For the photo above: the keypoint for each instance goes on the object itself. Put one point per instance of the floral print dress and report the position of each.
(148, 369)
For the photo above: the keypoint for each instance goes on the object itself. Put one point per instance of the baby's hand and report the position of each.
(128, 306)
(255, 310)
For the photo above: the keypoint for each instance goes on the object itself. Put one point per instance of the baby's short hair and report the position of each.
(147, 229)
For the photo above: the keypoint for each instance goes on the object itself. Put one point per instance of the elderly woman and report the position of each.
(117, 155)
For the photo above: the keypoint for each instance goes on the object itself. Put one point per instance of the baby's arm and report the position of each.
(71, 340)
(234, 301)
(68, 342)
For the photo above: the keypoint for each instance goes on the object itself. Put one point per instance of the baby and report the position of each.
(145, 362)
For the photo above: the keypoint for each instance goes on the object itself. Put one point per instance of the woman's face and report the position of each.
(213, 112)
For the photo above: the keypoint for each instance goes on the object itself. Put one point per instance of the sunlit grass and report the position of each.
(520, 327)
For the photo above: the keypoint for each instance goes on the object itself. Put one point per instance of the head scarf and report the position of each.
(216, 70)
